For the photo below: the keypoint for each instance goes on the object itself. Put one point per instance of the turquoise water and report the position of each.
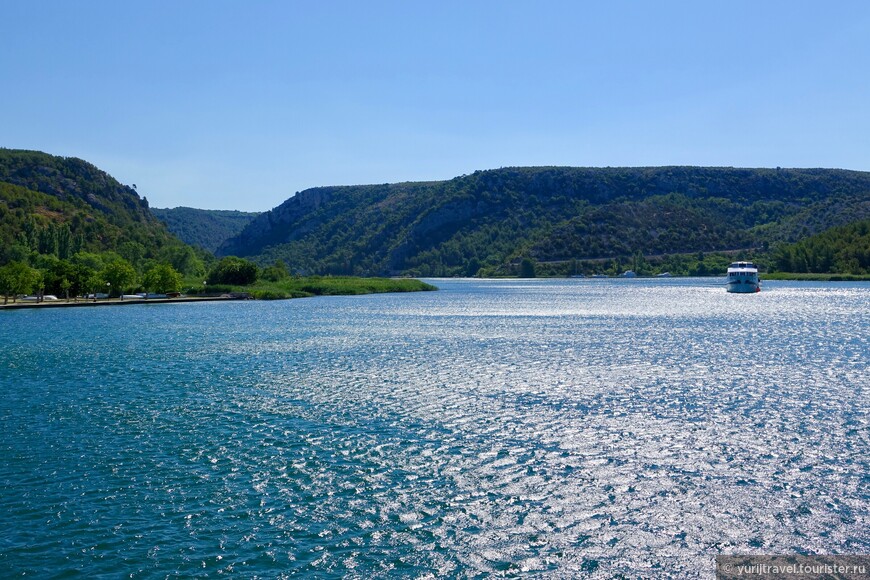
(568, 428)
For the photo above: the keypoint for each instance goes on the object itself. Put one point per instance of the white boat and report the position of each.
(743, 278)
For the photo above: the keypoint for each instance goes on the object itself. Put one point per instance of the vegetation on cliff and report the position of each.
(566, 220)
(83, 232)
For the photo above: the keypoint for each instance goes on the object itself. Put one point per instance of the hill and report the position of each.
(60, 205)
(490, 220)
(204, 228)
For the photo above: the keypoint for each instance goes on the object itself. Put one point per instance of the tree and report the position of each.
(119, 274)
(133, 252)
(275, 272)
(54, 272)
(183, 259)
(640, 264)
(472, 267)
(65, 285)
(573, 267)
(233, 270)
(89, 260)
(527, 268)
(85, 280)
(162, 278)
(15, 252)
(17, 278)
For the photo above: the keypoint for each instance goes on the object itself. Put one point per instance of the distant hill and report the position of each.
(205, 228)
(493, 219)
(60, 205)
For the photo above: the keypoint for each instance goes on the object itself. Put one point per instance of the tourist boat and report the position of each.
(743, 278)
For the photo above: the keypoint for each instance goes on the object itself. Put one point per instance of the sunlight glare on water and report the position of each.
(564, 427)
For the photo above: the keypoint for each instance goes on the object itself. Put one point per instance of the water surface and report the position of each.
(568, 428)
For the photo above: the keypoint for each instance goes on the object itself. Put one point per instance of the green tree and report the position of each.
(162, 278)
(574, 267)
(54, 271)
(183, 259)
(527, 268)
(640, 265)
(65, 285)
(133, 252)
(119, 274)
(89, 260)
(65, 242)
(275, 272)
(15, 252)
(842, 249)
(472, 267)
(18, 278)
(233, 270)
(85, 280)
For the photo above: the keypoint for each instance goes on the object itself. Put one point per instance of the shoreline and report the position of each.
(116, 302)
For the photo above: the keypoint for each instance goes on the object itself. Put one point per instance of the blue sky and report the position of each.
(238, 105)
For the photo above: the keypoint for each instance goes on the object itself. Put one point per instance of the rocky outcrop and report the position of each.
(287, 222)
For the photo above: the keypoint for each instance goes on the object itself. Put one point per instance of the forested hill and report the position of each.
(205, 228)
(62, 205)
(494, 218)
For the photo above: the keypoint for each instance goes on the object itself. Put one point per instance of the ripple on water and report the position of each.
(563, 427)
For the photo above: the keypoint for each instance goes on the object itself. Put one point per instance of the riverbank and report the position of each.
(803, 277)
(81, 302)
(263, 290)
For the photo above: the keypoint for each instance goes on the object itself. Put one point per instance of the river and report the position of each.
(569, 428)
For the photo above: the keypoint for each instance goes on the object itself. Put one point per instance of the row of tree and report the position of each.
(109, 273)
(82, 275)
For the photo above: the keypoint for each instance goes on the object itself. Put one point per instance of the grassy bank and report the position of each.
(816, 277)
(301, 287)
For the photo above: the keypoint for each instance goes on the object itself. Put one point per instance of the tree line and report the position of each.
(844, 249)
(87, 274)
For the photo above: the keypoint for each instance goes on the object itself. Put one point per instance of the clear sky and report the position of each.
(239, 104)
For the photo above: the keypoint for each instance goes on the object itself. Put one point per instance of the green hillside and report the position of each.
(204, 228)
(68, 228)
(841, 249)
(489, 221)
(60, 205)
(553, 220)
